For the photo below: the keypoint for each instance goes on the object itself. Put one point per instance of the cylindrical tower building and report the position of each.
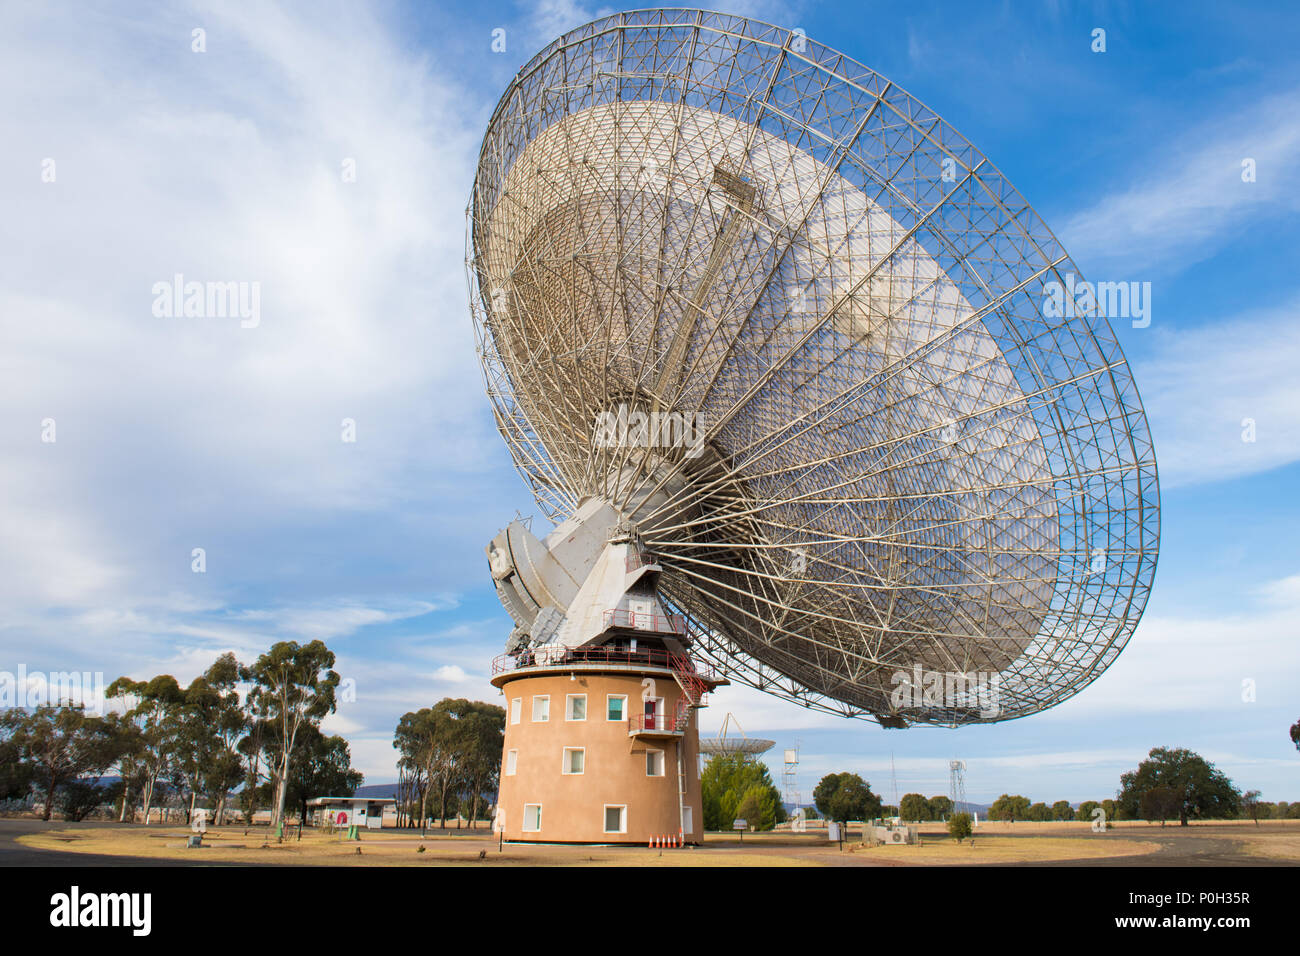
(601, 746)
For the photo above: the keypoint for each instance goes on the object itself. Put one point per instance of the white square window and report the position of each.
(577, 707)
(615, 707)
(541, 709)
(532, 817)
(654, 763)
(512, 759)
(574, 758)
(516, 705)
(616, 819)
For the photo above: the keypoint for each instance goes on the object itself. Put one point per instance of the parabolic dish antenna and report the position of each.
(737, 743)
(807, 348)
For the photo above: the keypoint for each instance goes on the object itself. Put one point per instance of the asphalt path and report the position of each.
(13, 853)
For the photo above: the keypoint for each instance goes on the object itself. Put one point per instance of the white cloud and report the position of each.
(1178, 664)
(225, 165)
(451, 673)
(332, 620)
(1199, 387)
(1190, 199)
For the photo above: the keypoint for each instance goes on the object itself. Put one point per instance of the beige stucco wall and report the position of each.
(614, 772)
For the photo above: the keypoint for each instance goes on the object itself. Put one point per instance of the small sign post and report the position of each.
(741, 825)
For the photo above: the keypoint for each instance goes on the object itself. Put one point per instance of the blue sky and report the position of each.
(176, 434)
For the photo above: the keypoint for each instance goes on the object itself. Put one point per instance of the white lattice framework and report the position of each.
(903, 460)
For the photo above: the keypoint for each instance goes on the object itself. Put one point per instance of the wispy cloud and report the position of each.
(1224, 400)
(176, 433)
(1186, 199)
(333, 619)
(1231, 664)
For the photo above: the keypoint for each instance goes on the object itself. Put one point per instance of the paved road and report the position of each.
(13, 853)
(1203, 845)
(1201, 849)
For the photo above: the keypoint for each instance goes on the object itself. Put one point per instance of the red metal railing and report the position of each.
(646, 621)
(683, 668)
(675, 723)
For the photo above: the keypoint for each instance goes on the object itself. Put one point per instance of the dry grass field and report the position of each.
(388, 848)
(995, 843)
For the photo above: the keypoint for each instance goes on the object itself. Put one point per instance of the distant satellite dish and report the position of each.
(736, 744)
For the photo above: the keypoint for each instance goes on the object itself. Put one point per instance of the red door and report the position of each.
(650, 705)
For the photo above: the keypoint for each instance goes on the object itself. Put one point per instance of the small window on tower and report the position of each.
(654, 763)
(573, 759)
(616, 707)
(616, 819)
(577, 709)
(541, 709)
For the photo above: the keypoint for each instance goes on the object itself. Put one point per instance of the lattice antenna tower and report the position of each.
(893, 778)
(957, 784)
(790, 777)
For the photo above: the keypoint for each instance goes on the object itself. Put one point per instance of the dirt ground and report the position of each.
(1130, 844)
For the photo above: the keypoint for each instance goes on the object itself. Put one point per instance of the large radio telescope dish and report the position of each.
(905, 458)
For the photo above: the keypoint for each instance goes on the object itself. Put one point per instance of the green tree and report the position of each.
(454, 746)
(1158, 803)
(16, 773)
(1039, 813)
(750, 808)
(293, 685)
(81, 797)
(1085, 810)
(1010, 808)
(1061, 810)
(1251, 806)
(959, 826)
(62, 744)
(725, 783)
(940, 807)
(1199, 790)
(154, 707)
(216, 702)
(845, 796)
(485, 726)
(914, 807)
(321, 768)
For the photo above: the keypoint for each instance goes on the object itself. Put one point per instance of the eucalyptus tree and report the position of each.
(155, 707)
(321, 766)
(451, 748)
(293, 685)
(218, 706)
(61, 744)
(484, 727)
(16, 774)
